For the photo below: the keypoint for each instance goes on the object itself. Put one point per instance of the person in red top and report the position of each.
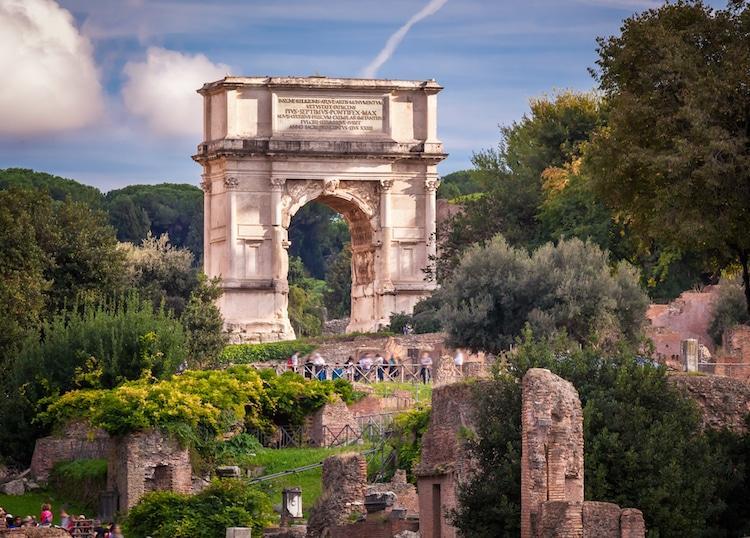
(45, 518)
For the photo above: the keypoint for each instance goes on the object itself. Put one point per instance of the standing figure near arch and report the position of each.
(368, 149)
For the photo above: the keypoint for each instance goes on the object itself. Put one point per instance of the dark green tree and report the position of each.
(458, 184)
(338, 292)
(674, 160)
(59, 188)
(204, 324)
(171, 208)
(567, 287)
(23, 285)
(90, 345)
(643, 445)
(317, 234)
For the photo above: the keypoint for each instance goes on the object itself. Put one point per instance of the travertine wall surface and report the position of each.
(722, 401)
(34, 532)
(147, 461)
(344, 486)
(77, 441)
(552, 445)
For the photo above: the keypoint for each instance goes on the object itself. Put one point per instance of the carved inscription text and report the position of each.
(352, 115)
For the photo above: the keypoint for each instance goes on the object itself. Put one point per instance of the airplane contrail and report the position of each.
(384, 55)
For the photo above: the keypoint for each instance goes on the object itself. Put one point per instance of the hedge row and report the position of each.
(273, 351)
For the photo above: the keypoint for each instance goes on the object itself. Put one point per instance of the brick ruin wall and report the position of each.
(34, 532)
(147, 461)
(444, 462)
(406, 493)
(552, 448)
(723, 402)
(552, 470)
(332, 424)
(77, 441)
(344, 487)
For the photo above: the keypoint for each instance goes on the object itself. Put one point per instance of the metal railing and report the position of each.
(399, 373)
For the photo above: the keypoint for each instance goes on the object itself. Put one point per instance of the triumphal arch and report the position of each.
(366, 148)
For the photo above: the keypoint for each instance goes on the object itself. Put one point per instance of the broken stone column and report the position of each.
(689, 353)
(552, 449)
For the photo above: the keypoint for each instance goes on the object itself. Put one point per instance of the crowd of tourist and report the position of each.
(369, 366)
(77, 526)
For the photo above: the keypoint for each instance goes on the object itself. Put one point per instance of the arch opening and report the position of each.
(361, 244)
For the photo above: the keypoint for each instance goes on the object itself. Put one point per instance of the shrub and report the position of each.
(225, 503)
(568, 287)
(730, 309)
(199, 405)
(81, 480)
(408, 429)
(273, 351)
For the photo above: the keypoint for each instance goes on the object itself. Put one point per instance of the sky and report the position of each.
(103, 91)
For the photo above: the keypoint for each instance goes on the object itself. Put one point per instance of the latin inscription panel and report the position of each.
(333, 115)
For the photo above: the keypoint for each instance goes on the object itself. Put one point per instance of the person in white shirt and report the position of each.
(426, 364)
(458, 360)
(295, 361)
(320, 366)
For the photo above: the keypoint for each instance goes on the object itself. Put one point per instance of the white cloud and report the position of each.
(50, 82)
(432, 7)
(161, 90)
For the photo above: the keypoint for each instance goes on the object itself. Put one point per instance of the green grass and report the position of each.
(276, 460)
(30, 504)
(419, 391)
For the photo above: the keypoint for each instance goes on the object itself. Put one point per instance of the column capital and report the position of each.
(277, 183)
(431, 184)
(231, 183)
(206, 184)
(386, 184)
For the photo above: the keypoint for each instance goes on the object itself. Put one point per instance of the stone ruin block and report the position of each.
(552, 445)
(552, 468)
(147, 461)
(344, 488)
(75, 442)
(332, 425)
(601, 520)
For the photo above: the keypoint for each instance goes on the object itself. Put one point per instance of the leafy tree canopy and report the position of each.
(643, 447)
(567, 287)
(59, 188)
(674, 159)
(174, 209)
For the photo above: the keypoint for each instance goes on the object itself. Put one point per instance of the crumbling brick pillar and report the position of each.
(344, 488)
(632, 524)
(552, 449)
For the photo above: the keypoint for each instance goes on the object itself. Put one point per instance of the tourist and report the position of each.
(64, 519)
(295, 360)
(392, 368)
(320, 366)
(379, 362)
(365, 363)
(28, 521)
(458, 361)
(426, 366)
(115, 531)
(308, 368)
(45, 517)
(349, 368)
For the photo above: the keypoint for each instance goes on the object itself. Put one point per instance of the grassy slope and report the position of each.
(30, 504)
(421, 392)
(274, 461)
